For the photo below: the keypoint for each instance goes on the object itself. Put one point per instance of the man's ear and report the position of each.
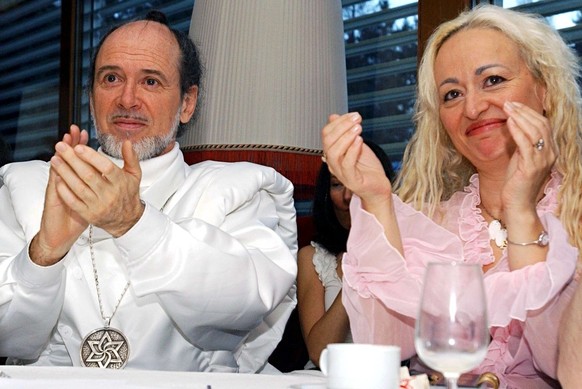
(189, 104)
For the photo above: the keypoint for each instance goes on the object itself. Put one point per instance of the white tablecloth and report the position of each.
(25, 377)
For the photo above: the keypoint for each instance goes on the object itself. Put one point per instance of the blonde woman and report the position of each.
(491, 176)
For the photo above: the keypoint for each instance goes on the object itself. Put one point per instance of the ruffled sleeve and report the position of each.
(532, 287)
(374, 268)
(514, 294)
(381, 289)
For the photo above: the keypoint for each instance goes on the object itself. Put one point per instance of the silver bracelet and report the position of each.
(541, 241)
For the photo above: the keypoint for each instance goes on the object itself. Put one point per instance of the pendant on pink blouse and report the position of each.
(105, 348)
(498, 234)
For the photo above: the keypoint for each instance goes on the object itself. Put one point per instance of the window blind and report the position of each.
(563, 15)
(381, 50)
(29, 77)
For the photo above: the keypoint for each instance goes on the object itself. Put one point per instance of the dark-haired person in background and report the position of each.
(127, 256)
(322, 316)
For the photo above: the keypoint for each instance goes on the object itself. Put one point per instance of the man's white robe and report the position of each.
(211, 265)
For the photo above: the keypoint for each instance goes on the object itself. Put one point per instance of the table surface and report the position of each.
(25, 377)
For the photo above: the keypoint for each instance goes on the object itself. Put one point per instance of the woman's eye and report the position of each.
(494, 80)
(337, 186)
(451, 95)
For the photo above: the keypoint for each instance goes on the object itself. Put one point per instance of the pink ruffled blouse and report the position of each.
(382, 288)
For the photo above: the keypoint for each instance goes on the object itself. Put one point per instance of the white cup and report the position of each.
(361, 366)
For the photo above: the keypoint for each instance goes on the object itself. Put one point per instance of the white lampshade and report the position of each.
(274, 71)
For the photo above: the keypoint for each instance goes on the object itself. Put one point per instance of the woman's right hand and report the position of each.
(352, 161)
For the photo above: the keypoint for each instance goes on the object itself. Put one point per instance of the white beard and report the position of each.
(145, 148)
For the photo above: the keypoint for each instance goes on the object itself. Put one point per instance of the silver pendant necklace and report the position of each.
(105, 347)
(497, 230)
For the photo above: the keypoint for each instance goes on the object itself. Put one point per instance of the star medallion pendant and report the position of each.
(105, 348)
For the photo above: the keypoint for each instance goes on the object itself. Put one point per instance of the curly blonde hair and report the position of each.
(432, 168)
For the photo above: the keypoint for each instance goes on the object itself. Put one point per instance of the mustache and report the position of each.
(128, 115)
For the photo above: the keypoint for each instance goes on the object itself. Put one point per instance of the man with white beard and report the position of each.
(127, 256)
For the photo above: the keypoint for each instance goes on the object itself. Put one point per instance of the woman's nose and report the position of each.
(475, 104)
(347, 195)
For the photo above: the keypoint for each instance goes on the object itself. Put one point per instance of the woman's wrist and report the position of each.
(378, 205)
(523, 227)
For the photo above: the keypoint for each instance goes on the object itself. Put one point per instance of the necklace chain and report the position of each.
(490, 214)
(107, 319)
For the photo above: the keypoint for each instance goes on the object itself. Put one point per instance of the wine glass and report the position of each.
(451, 332)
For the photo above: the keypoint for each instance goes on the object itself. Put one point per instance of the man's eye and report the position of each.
(110, 78)
(151, 82)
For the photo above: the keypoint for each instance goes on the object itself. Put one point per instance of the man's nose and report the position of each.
(128, 98)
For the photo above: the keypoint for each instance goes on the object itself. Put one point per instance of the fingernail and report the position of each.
(356, 128)
(55, 161)
(355, 116)
(509, 106)
(79, 149)
(60, 146)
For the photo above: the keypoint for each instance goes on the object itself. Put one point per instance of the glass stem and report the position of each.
(451, 382)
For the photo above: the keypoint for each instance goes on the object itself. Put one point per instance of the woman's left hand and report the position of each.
(532, 161)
